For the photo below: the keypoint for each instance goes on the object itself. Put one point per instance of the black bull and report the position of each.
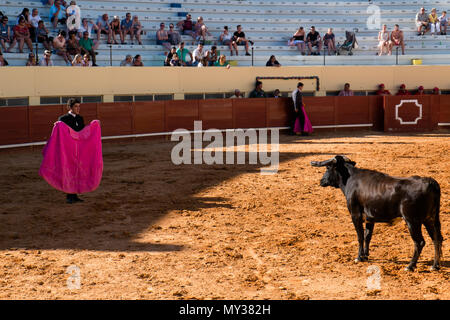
(376, 197)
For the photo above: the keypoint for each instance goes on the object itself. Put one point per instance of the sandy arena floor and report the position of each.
(153, 230)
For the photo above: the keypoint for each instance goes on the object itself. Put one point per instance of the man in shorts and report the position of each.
(58, 14)
(240, 40)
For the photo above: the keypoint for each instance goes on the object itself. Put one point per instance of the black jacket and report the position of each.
(76, 123)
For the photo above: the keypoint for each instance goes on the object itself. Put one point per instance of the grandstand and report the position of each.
(268, 23)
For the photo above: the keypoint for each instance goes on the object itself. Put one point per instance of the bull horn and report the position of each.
(323, 163)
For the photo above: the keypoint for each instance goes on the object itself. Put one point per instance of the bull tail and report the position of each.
(435, 189)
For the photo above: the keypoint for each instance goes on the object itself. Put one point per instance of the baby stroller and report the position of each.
(349, 44)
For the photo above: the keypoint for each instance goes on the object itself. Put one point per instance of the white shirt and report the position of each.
(89, 29)
(294, 96)
(198, 55)
(34, 20)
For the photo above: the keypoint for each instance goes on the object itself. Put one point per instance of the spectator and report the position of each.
(87, 60)
(276, 93)
(443, 20)
(174, 35)
(137, 29)
(384, 42)
(87, 47)
(186, 26)
(258, 92)
(31, 62)
(435, 25)
(87, 25)
(329, 41)
(226, 39)
(402, 91)
(240, 40)
(382, 91)
(420, 91)
(272, 62)
(201, 30)
(47, 60)
(114, 26)
(169, 56)
(436, 91)
(212, 56)
(422, 22)
(222, 62)
(198, 54)
(3, 62)
(26, 15)
(21, 35)
(397, 38)
(126, 26)
(182, 52)
(34, 22)
(42, 35)
(59, 43)
(78, 61)
(137, 61)
(72, 45)
(127, 62)
(162, 37)
(237, 94)
(5, 33)
(313, 39)
(103, 27)
(58, 14)
(346, 92)
(299, 40)
(175, 61)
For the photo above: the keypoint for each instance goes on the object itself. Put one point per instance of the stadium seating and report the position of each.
(268, 23)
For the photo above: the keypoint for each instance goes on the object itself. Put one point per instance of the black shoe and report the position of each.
(251, 42)
(76, 199)
(70, 199)
(247, 54)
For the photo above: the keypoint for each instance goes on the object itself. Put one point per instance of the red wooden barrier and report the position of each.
(408, 114)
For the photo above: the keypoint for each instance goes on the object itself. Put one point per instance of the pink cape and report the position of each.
(307, 128)
(73, 161)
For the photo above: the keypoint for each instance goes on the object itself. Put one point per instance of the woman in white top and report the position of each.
(78, 61)
(383, 41)
(226, 38)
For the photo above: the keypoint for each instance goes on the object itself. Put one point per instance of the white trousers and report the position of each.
(435, 27)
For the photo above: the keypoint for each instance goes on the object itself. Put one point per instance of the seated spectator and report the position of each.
(240, 40)
(198, 54)
(313, 39)
(31, 62)
(103, 27)
(346, 92)
(402, 91)
(276, 93)
(226, 39)
(436, 91)
(126, 25)
(422, 22)
(435, 25)
(42, 35)
(201, 30)
(298, 40)
(169, 56)
(5, 33)
(212, 56)
(258, 92)
(175, 61)
(59, 43)
(186, 26)
(87, 47)
(237, 94)
(222, 62)
(397, 38)
(382, 91)
(114, 26)
(58, 14)
(72, 45)
(420, 91)
(78, 61)
(3, 62)
(384, 41)
(26, 15)
(443, 20)
(174, 35)
(34, 21)
(329, 41)
(87, 26)
(137, 61)
(137, 29)
(47, 60)
(87, 60)
(21, 35)
(127, 62)
(50, 2)
(182, 52)
(273, 62)
(162, 37)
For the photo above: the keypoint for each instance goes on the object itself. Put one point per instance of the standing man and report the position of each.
(297, 97)
(76, 122)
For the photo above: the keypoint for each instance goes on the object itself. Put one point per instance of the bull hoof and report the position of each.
(409, 269)
(435, 268)
(361, 259)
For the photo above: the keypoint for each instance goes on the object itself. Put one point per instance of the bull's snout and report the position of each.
(324, 183)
